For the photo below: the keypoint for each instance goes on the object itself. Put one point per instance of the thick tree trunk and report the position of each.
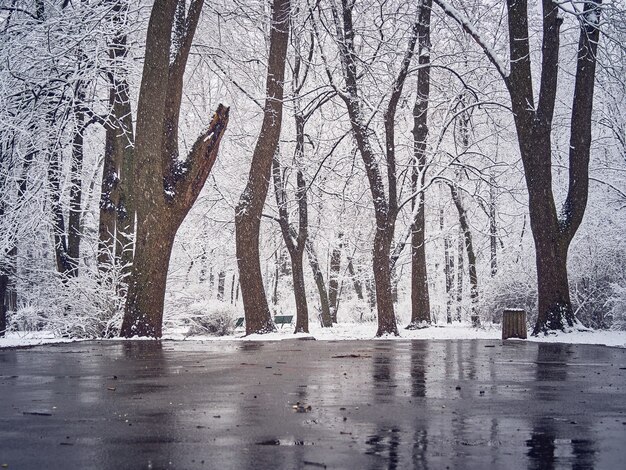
(553, 287)
(163, 195)
(382, 277)
(553, 233)
(146, 290)
(250, 206)
(533, 123)
(420, 298)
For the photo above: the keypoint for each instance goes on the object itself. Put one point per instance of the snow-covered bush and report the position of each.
(215, 318)
(87, 306)
(512, 287)
(191, 310)
(597, 271)
(355, 311)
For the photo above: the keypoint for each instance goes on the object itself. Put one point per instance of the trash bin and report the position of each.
(514, 323)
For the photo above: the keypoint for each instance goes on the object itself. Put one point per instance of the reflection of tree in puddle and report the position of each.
(250, 346)
(555, 441)
(383, 377)
(385, 444)
(419, 355)
(419, 360)
(148, 427)
(552, 362)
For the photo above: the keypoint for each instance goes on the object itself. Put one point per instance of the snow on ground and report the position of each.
(30, 338)
(355, 331)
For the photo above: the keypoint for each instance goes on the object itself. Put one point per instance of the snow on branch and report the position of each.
(469, 28)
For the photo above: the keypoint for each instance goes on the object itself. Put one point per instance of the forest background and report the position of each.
(78, 105)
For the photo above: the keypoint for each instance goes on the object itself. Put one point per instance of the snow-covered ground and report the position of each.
(352, 331)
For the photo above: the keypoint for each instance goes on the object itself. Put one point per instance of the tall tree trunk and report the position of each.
(420, 299)
(460, 273)
(385, 206)
(4, 268)
(4, 282)
(333, 281)
(250, 206)
(471, 256)
(493, 227)
(295, 241)
(302, 313)
(320, 284)
(356, 282)
(76, 193)
(552, 231)
(233, 284)
(117, 214)
(164, 190)
(448, 268)
(221, 283)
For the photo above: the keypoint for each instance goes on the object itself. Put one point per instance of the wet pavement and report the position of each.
(313, 404)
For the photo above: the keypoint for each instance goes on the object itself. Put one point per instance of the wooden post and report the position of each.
(514, 323)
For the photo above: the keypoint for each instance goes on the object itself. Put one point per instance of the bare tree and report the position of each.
(385, 206)
(165, 188)
(552, 229)
(420, 299)
(250, 207)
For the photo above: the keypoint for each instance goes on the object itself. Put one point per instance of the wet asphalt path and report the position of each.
(373, 405)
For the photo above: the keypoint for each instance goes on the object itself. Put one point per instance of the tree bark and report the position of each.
(4, 282)
(321, 285)
(163, 193)
(493, 227)
(356, 282)
(233, 283)
(74, 231)
(250, 206)
(420, 299)
(448, 268)
(295, 244)
(552, 231)
(221, 282)
(460, 273)
(471, 256)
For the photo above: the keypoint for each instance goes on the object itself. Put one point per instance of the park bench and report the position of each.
(283, 320)
(239, 322)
